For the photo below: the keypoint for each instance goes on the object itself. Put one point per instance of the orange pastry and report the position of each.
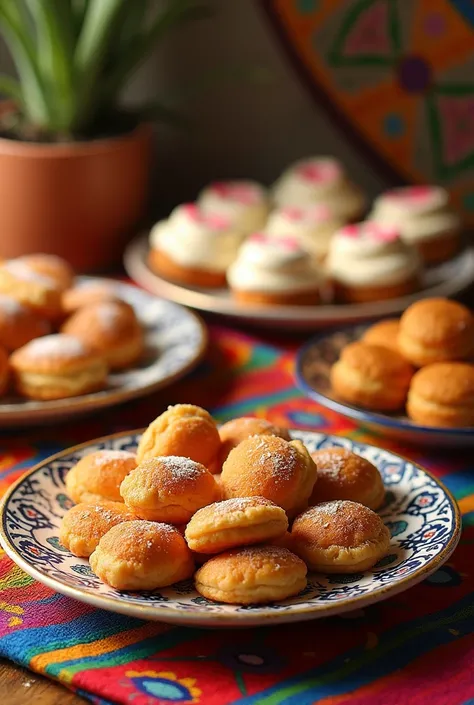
(112, 329)
(87, 293)
(340, 537)
(371, 376)
(39, 293)
(270, 467)
(234, 432)
(98, 476)
(235, 522)
(434, 330)
(169, 489)
(19, 324)
(182, 429)
(258, 574)
(346, 475)
(383, 333)
(142, 555)
(57, 367)
(84, 525)
(50, 266)
(442, 394)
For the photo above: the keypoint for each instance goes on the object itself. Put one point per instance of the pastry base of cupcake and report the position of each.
(202, 278)
(285, 298)
(366, 294)
(439, 249)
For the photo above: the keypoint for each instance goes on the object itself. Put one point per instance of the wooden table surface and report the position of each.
(18, 686)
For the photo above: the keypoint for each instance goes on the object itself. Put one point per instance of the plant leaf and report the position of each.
(11, 88)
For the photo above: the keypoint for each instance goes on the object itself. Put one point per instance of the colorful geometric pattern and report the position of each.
(386, 654)
(399, 77)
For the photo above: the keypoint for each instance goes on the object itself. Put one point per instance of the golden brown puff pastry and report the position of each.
(84, 525)
(442, 394)
(99, 475)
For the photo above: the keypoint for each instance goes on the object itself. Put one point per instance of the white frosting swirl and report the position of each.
(273, 264)
(366, 254)
(312, 226)
(420, 212)
(193, 239)
(243, 203)
(319, 180)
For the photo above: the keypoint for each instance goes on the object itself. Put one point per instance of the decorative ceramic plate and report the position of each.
(175, 341)
(447, 279)
(421, 514)
(313, 363)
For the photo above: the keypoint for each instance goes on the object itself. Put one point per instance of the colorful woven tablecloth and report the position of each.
(417, 647)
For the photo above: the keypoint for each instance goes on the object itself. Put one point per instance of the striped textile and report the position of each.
(415, 648)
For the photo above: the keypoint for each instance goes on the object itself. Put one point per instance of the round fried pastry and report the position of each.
(371, 376)
(384, 333)
(237, 430)
(442, 394)
(110, 328)
(51, 266)
(19, 324)
(436, 330)
(253, 575)
(346, 475)
(84, 525)
(36, 291)
(169, 489)
(87, 293)
(340, 537)
(142, 555)
(183, 429)
(235, 522)
(270, 467)
(98, 476)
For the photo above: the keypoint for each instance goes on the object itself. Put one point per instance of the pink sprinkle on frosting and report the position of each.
(243, 193)
(319, 172)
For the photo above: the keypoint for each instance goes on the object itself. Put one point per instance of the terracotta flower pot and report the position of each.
(78, 200)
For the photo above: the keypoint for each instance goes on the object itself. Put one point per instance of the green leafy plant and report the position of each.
(74, 57)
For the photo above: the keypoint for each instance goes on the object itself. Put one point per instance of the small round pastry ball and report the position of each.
(19, 324)
(270, 467)
(340, 537)
(169, 489)
(142, 555)
(50, 266)
(383, 333)
(253, 575)
(112, 329)
(84, 525)
(234, 432)
(57, 367)
(435, 330)
(98, 476)
(4, 371)
(371, 376)
(36, 291)
(346, 475)
(442, 394)
(87, 293)
(183, 429)
(235, 522)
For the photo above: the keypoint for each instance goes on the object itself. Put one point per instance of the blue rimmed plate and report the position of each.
(313, 364)
(175, 341)
(421, 514)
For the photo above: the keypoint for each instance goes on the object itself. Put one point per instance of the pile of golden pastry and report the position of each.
(59, 338)
(223, 499)
(434, 335)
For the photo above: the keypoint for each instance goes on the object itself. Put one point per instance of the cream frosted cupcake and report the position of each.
(368, 262)
(274, 271)
(320, 180)
(244, 203)
(193, 247)
(424, 217)
(312, 226)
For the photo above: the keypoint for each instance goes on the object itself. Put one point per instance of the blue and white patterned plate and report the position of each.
(175, 341)
(421, 514)
(313, 364)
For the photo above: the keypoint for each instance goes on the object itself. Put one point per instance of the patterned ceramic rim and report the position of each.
(458, 275)
(361, 415)
(246, 619)
(37, 412)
